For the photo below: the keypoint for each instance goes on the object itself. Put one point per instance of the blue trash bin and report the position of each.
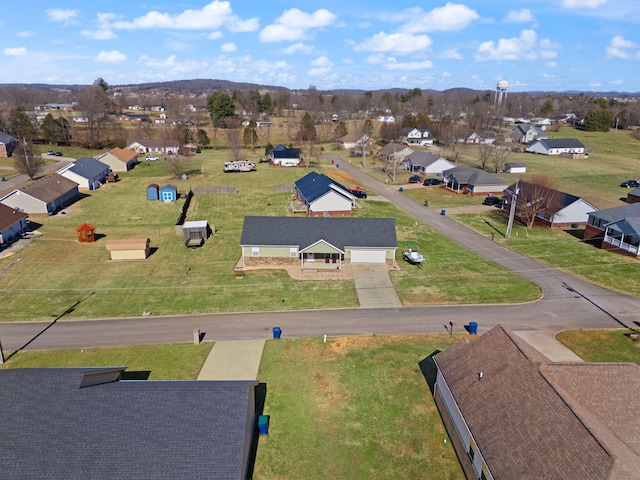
(263, 424)
(473, 328)
(400, 189)
(276, 333)
(443, 212)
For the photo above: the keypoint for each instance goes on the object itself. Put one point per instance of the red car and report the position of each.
(358, 192)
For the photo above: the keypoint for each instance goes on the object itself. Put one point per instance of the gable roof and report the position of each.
(86, 167)
(391, 148)
(535, 419)
(10, 216)
(304, 231)
(280, 151)
(551, 143)
(124, 154)
(464, 175)
(422, 158)
(78, 423)
(314, 185)
(6, 138)
(48, 188)
(559, 200)
(608, 215)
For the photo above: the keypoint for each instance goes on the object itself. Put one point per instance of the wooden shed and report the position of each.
(153, 192)
(86, 233)
(168, 193)
(195, 232)
(129, 249)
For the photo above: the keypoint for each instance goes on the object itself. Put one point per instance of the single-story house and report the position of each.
(416, 137)
(13, 224)
(426, 163)
(556, 146)
(512, 413)
(46, 195)
(153, 191)
(167, 193)
(119, 159)
(523, 133)
(616, 229)
(479, 138)
(472, 180)
(553, 208)
(7, 144)
(195, 232)
(154, 146)
(515, 167)
(105, 422)
(88, 173)
(129, 249)
(394, 151)
(323, 196)
(282, 156)
(314, 242)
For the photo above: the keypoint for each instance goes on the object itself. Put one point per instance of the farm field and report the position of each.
(56, 272)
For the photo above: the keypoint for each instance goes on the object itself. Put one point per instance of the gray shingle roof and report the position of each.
(304, 231)
(535, 419)
(550, 143)
(422, 158)
(463, 175)
(49, 188)
(89, 168)
(52, 428)
(616, 213)
(6, 138)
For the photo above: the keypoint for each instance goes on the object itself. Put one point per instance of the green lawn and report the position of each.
(56, 272)
(602, 345)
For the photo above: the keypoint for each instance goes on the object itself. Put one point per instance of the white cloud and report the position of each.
(171, 66)
(595, 84)
(399, 43)
(451, 54)
(294, 25)
(519, 16)
(111, 57)
(25, 34)
(616, 82)
(212, 16)
(98, 34)
(228, 47)
(524, 47)
(618, 48)
(322, 61)
(214, 35)
(583, 3)
(451, 17)
(392, 64)
(548, 75)
(298, 48)
(15, 52)
(59, 15)
(551, 64)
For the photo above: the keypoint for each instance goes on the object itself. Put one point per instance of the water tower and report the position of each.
(501, 92)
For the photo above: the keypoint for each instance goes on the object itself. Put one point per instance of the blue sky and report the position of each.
(583, 45)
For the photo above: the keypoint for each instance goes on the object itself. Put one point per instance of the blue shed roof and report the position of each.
(314, 185)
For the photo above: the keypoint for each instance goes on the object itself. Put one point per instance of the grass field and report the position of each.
(602, 345)
(56, 272)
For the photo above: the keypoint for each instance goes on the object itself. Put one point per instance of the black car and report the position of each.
(492, 201)
(58, 154)
(429, 182)
(630, 184)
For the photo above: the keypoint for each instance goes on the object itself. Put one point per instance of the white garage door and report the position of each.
(368, 256)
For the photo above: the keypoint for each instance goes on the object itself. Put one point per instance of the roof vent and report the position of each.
(480, 375)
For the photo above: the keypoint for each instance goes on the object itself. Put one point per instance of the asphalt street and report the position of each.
(567, 302)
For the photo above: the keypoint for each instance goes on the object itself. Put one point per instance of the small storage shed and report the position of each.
(129, 249)
(515, 167)
(168, 193)
(153, 192)
(633, 196)
(195, 232)
(86, 233)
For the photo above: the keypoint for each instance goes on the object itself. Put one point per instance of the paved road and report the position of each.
(567, 303)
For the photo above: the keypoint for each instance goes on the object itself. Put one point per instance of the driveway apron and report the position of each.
(374, 286)
(233, 360)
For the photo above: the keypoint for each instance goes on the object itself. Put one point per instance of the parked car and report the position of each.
(492, 201)
(58, 154)
(429, 182)
(152, 158)
(415, 179)
(50, 152)
(630, 184)
(358, 192)
(265, 160)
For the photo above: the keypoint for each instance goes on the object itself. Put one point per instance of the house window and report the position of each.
(472, 453)
(293, 252)
(255, 251)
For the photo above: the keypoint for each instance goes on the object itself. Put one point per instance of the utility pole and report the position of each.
(512, 209)
(364, 155)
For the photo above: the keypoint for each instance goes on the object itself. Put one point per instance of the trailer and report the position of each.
(239, 166)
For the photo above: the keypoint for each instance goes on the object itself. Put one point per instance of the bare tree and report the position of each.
(234, 141)
(535, 199)
(177, 164)
(485, 153)
(500, 157)
(26, 160)
(456, 151)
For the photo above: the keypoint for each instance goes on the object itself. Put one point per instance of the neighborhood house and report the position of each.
(323, 196)
(46, 195)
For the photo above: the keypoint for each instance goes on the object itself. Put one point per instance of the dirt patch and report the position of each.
(342, 177)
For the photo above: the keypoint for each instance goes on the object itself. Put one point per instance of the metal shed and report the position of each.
(153, 192)
(195, 232)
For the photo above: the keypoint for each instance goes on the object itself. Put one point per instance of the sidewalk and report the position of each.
(233, 360)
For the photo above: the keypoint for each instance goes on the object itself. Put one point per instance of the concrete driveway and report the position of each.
(374, 286)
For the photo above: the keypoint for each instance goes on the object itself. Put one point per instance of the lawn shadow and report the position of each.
(429, 370)
(576, 233)
(260, 399)
(497, 230)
